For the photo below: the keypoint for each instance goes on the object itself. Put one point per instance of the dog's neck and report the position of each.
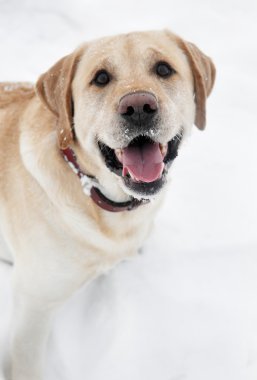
(91, 187)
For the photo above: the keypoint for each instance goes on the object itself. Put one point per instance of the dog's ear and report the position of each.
(204, 73)
(54, 89)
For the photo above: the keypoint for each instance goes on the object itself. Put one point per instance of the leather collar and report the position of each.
(91, 187)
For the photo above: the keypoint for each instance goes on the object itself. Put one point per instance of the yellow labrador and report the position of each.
(84, 157)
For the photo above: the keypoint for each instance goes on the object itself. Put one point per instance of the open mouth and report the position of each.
(143, 164)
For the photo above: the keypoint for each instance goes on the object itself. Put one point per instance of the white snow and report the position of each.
(186, 308)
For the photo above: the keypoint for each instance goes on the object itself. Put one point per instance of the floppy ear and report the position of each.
(204, 73)
(54, 89)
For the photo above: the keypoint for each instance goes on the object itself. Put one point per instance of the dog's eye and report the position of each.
(164, 70)
(102, 78)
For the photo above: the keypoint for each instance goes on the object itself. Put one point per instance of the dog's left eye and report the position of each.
(164, 70)
(102, 78)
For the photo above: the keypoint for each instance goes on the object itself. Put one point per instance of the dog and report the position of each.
(85, 156)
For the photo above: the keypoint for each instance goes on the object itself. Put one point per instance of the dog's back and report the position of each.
(14, 92)
(13, 100)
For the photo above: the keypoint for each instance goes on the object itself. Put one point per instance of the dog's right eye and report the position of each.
(102, 78)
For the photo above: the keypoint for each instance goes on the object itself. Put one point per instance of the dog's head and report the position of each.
(126, 102)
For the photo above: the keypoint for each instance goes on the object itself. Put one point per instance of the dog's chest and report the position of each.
(101, 244)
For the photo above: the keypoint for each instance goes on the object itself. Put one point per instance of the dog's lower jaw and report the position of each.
(115, 188)
(111, 187)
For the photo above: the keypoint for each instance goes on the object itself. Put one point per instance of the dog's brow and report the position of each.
(106, 64)
(155, 52)
(159, 55)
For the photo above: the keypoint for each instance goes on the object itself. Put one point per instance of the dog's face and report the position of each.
(132, 99)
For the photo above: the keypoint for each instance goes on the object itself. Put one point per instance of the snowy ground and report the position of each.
(186, 309)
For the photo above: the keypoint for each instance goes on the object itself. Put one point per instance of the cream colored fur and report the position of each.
(58, 238)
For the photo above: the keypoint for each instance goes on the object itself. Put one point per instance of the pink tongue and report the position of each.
(145, 162)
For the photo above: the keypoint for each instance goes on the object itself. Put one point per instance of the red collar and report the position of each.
(97, 196)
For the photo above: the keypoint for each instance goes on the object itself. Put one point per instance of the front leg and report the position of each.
(39, 290)
(30, 331)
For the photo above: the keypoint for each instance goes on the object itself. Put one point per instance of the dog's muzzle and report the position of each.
(143, 162)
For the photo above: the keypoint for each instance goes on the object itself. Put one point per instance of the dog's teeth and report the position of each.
(133, 177)
(119, 154)
(127, 173)
(164, 149)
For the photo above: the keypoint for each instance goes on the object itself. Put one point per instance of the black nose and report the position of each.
(138, 108)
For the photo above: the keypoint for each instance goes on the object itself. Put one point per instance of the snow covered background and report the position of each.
(185, 309)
